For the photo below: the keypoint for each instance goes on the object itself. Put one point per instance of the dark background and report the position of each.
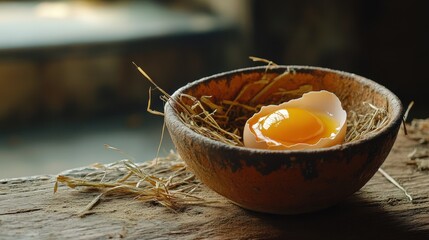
(386, 41)
(68, 85)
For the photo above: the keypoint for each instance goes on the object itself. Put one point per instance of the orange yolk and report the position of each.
(290, 126)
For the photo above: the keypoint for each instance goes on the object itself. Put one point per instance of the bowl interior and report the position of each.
(259, 86)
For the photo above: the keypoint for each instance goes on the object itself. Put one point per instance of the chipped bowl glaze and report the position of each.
(282, 181)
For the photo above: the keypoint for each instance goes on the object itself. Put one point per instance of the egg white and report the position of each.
(315, 101)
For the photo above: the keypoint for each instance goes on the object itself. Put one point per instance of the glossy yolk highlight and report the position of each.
(294, 125)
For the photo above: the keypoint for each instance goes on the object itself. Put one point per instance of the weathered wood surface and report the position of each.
(29, 209)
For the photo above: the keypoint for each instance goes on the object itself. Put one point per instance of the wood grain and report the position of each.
(30, 209)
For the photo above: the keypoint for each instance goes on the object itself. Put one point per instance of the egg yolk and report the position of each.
(294, 125)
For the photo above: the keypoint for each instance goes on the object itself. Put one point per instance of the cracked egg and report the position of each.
(316, 120)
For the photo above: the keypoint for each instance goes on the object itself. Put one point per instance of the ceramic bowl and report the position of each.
(282, 181)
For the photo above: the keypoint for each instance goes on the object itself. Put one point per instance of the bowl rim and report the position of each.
(392, 99)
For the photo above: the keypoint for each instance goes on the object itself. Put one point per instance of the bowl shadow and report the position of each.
(354, 218)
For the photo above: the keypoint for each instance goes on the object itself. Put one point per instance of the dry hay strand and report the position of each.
(165, 181)
(418, 130)
(419, 157)
(361, 125)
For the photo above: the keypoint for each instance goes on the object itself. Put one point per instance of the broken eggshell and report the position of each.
(315, 102)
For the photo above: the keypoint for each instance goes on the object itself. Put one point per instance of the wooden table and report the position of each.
(30, 209)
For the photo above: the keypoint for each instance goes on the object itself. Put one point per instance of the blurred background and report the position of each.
(68, 85)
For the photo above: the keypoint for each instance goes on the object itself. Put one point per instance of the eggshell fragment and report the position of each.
(315, 101)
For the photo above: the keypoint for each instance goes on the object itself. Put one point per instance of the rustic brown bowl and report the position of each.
(282, 181)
